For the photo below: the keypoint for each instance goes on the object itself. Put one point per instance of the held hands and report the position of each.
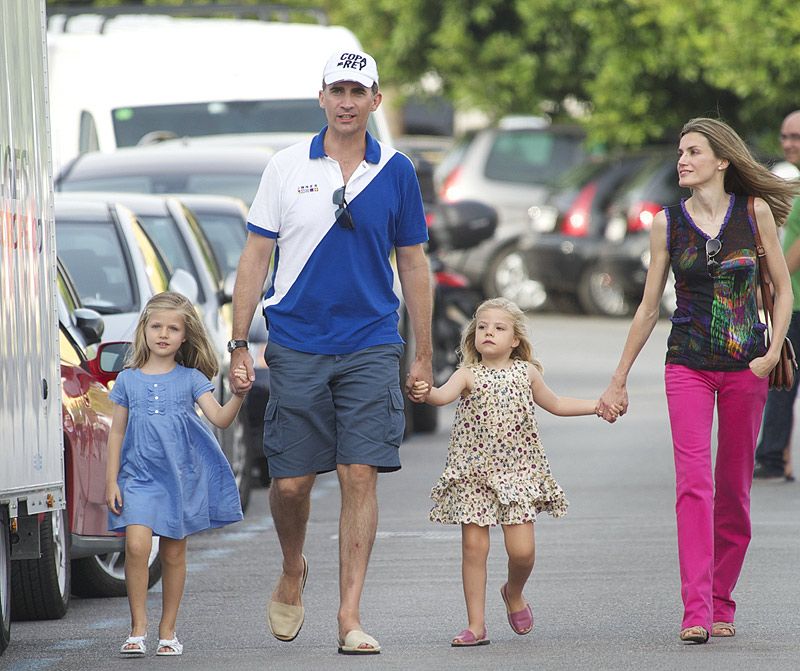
(239, 374)
(613, 403)
(113, 498)
(419, 391)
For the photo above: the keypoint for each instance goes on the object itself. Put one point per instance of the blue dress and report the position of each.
(173, 475)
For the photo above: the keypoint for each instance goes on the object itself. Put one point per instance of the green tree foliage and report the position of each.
(640, 68)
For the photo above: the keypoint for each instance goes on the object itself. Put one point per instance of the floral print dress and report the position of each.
(496, 470)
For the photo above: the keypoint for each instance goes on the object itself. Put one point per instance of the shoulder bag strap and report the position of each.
(763, 271)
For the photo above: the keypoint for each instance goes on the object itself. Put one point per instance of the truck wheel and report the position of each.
(5, 581)
(507, 276)
(599, 293)
(41, 587)
(104, 575)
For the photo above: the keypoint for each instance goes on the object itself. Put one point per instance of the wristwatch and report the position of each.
(236, 344)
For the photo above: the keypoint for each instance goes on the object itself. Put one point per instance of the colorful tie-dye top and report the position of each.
(716, 324)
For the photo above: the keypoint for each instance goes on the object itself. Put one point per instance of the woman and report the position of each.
(716, 355)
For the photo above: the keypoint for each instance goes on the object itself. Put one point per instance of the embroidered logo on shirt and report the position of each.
(308, 188)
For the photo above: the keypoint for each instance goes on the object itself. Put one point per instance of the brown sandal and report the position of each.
(695, 634)
(723, 629)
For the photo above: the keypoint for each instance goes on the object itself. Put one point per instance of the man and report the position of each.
(773, 450)
(333, 209)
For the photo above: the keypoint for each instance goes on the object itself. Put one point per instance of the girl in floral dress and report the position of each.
(496, 470)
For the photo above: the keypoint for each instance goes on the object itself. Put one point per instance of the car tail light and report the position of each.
(430, 219)
(641, 215)
(447, 278)
(451, 190)
(576, 220)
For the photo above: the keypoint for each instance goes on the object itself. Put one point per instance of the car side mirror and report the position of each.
(183, 283)
(90, 323)
(226, 293)
(110, 360)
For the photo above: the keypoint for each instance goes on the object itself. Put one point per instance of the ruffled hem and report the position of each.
(496, 500)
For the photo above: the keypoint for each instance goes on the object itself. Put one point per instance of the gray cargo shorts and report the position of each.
(329, 409)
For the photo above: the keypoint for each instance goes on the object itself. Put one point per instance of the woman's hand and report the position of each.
(762, 366)
(614, 402)
(114, 498)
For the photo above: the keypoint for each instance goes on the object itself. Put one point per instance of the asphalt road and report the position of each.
(605, 590)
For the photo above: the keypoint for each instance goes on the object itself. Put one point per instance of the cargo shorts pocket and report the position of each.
(396, 424)
(273, 443)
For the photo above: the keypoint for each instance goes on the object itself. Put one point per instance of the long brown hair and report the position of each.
(195, 352)
(524, 351)
(744, 175)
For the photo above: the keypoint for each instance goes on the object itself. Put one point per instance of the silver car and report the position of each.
(511, 167)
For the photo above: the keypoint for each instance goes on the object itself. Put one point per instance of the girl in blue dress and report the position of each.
(166, 474)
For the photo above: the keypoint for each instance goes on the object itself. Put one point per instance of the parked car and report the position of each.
(97, 556)
(511, 167)
(171, 167)
(569, 230)
(623, 262)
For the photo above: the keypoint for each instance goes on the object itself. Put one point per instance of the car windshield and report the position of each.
(238, 185)
(163, 231)
(96, 260)
(131, 124)
(226, 234)
(532, 156)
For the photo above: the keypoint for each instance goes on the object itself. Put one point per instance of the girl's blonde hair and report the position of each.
(524, 350)
(195, 352)
(745, 176)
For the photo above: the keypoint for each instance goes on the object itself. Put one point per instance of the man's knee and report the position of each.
(357, 478)
(292, 490)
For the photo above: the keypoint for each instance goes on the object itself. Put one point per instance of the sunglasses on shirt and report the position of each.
(713, 247)
(343, 216)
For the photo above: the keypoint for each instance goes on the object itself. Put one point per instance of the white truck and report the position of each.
(32, 490)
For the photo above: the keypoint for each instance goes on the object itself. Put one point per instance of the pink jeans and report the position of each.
(713, 526)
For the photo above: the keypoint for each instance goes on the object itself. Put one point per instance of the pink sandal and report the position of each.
(467, 639)
(521, 621)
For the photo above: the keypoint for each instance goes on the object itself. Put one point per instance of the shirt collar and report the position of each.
(372, 154)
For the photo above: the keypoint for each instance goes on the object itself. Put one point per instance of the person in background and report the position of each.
(774, 448)
(716, 355)
(334, 210)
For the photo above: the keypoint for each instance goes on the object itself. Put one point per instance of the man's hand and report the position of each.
(421, 371)
(241, 359)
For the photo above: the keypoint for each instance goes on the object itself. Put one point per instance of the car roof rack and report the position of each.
(281, 13)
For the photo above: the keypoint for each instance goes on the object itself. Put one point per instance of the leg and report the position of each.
(779, 417)
(138, 542)
(173, 562)
(474, 553)
(741, 401)
(521, 550)
(290, 504)
(690, 399)
(358, 523)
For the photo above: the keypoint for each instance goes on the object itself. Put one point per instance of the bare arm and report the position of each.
(644, 321)
(563, 406)
(119, 422)
(250, 276)
(461, 381)
(220, 415)
(792, 256)
(415, 279)
(782, 285)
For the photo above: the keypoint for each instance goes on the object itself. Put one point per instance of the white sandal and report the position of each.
(139, 648)
(174, 647)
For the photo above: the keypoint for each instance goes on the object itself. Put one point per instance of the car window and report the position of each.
(241, 186)
(131, 124)
(453, 158)
(156, 266)
(124, 183)
(95, 257)
(209, 258)
(69, 350)
(64, 290)
(532, 157)
(227, 235)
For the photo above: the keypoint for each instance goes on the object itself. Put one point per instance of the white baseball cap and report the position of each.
(351, 66)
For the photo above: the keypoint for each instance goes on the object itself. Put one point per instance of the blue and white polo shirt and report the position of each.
(331, 287)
